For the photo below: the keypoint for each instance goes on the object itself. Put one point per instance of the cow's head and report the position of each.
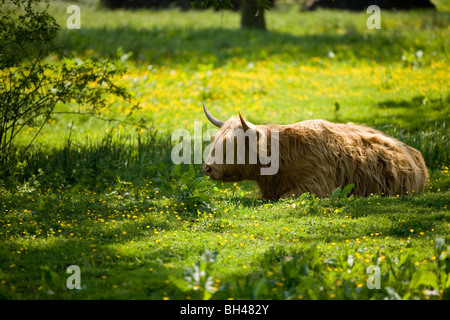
(236, 149)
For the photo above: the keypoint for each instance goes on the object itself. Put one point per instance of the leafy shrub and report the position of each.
(193, 192)
(197, 280)
(30, 88)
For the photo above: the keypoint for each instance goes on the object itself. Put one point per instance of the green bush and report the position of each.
(30, 88)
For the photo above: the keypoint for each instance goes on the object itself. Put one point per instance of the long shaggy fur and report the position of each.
(318, 156)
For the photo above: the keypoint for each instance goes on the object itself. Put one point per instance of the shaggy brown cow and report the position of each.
(318, 156)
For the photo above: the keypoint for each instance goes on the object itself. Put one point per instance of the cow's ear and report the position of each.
(246, 125)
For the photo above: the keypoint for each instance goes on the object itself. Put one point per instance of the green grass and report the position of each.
(110, 202)
(128, 240)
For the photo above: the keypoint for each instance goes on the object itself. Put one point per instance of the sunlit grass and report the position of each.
(297, 71)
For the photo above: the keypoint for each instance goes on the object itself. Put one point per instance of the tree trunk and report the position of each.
(252, 15)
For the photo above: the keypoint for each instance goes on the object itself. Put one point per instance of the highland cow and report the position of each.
(317, 156)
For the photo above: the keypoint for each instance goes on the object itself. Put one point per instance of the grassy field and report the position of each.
(105, 196)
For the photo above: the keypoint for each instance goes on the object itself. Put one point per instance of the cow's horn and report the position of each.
(213, 120)
(245, 125)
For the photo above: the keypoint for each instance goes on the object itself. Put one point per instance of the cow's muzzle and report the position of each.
(207, 169)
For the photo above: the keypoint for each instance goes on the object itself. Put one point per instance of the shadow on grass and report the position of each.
(107, 271)
(418, 114)
(115, 245)
(90, 164)
(118, 239)
(219, 46)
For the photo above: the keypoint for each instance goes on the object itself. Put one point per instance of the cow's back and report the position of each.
(322, 156)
